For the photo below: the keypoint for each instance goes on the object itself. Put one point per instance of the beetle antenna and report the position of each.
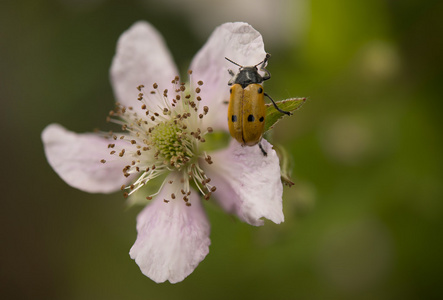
(233, 62)
(264, 60)
(260, 62)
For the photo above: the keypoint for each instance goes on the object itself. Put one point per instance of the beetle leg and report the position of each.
(231, 81)
(262, 150)
(263, 67)
(278, 108)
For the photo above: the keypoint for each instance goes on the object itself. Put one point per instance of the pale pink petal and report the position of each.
(172, 238)
(141, 58)
(248, 183)
(76, 158)
(239, 42)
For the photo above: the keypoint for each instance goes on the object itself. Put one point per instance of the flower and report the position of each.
(164, 131)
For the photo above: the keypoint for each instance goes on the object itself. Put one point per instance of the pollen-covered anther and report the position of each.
(198, 90)
(208, 159)
(140, 87)
(155, 85)
(122, 153)
(103, 161)
(148, 198)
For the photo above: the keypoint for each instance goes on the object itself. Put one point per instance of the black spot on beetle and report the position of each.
(260, 90)
(230, 91)
(261, 119)
(251, 118)
(234, 118)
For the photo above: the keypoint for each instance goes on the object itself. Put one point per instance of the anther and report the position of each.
(122, 187)
(125, 195)
(122, 153)
(200, 82)
(166, 201)
(197, 90)
(140, 87)
(155, 85)
(103, 161)
(148, 198)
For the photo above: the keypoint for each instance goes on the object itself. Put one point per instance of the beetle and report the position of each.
(247, 110)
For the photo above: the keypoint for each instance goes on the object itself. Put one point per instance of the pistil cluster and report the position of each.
(164, 136)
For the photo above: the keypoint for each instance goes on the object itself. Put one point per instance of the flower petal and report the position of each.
(239, 42)
(248, 183)
(76, 159)
(141, 58)
(172, 238)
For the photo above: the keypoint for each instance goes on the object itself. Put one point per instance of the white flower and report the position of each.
(164, 129)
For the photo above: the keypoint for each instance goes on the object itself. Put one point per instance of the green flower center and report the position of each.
(172, 143)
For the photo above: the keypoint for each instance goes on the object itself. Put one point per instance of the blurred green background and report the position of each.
(364, 219)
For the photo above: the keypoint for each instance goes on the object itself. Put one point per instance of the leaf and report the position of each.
(273, 115)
